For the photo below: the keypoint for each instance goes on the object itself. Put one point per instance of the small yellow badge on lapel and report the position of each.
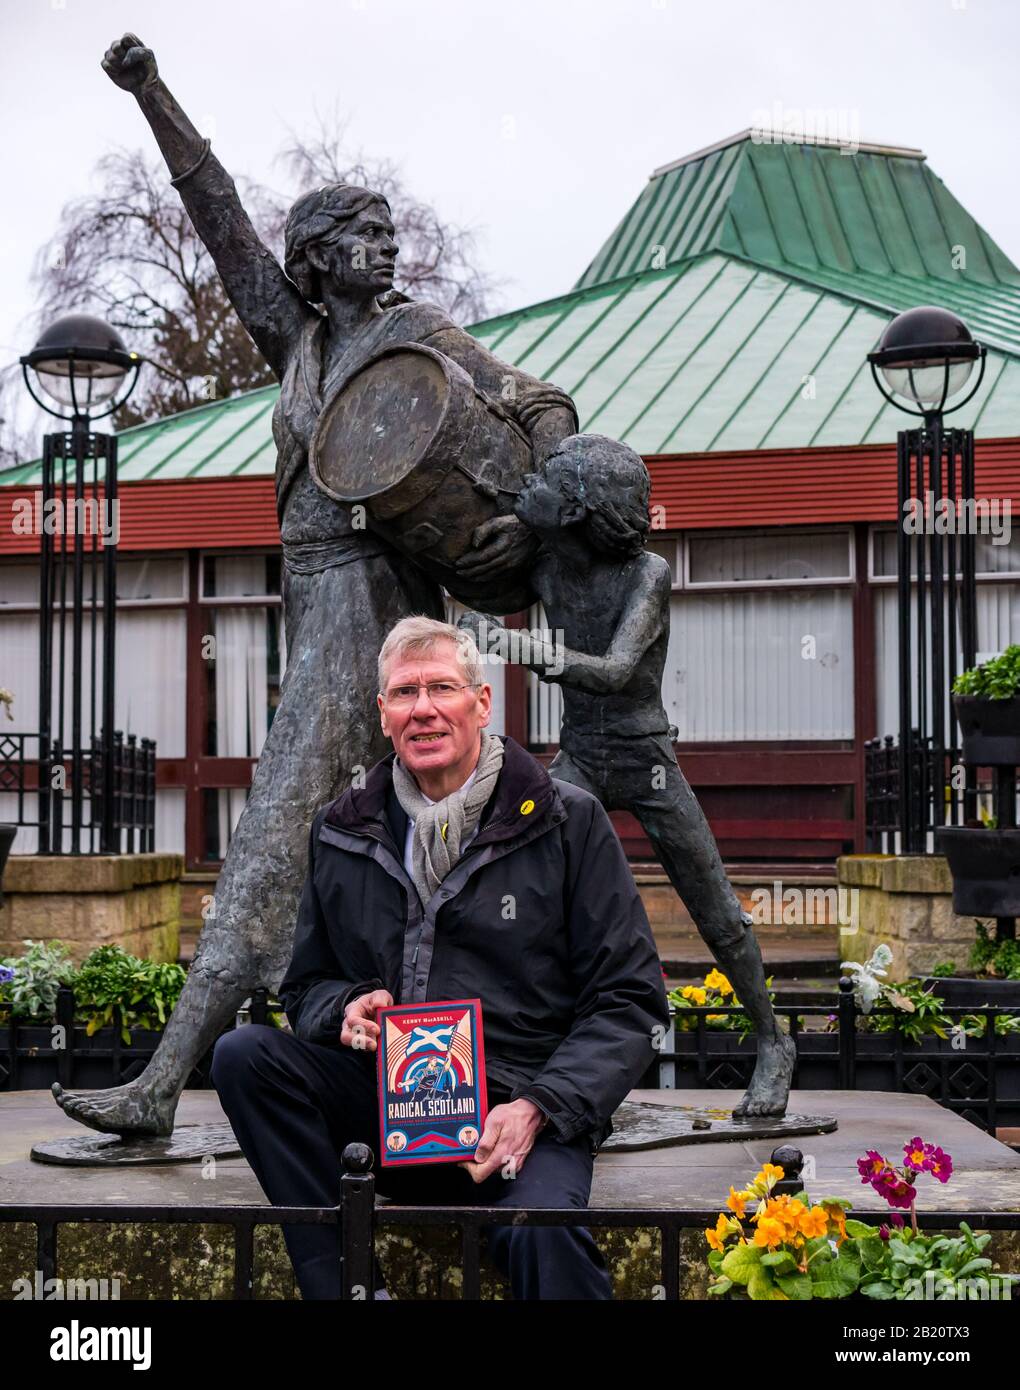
(443, 832)
(527, 807)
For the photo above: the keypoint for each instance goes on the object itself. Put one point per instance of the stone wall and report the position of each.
(132, 900)
(905, 901)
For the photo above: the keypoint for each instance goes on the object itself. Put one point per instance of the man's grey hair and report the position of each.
(419, 636)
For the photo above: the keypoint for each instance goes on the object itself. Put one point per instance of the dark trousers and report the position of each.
(295, 1105)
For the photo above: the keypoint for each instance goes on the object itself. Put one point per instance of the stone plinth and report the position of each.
(195, 1262)
(905, 901)
(132, 900)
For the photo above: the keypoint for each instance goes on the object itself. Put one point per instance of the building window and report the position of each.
(998, 615)
(761, 638)
(244, 659)
(788, 556)
(150, 697)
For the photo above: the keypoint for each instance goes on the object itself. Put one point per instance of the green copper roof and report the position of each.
(222, 439)
(732, 308)
(875, 222)
(720, 354)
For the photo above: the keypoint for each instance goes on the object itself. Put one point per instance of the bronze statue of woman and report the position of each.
(317, 319)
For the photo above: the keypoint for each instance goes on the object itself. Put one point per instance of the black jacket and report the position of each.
(540, 919)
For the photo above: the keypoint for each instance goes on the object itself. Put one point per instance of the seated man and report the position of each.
(458, 870)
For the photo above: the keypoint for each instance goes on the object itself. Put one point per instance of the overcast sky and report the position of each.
(535, 121)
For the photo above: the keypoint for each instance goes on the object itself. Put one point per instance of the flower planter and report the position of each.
(990, 730)
(876, 1066)
(96, 1062)
(985, 865)
(960, 991)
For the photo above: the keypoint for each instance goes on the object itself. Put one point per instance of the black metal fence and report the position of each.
(31, 1059)
(83, 803)
(360, 1218)
(975, 1077)
(939, 792)
(936, 607)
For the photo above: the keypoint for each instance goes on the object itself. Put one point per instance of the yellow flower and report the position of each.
(769, 1232)
(769, 1175)
(710, 1018)
(814, 1222)
(715, 979)
(736, 1201)
(695, 994)
(787, 1211)
(838, 1216)
(716, 1235)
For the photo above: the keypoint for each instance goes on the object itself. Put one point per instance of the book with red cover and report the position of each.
(431, 1077)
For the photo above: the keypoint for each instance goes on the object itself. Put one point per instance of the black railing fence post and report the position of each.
(149, 837)
(791, 1161)
(357, 1223)
(258, 1010)
(65, 1021)
(847, 1019)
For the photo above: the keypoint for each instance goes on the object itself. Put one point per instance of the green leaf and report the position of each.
(878, 1289)
(742, 1263)
(899, 1250)
(779, 1261)
(860, 1230)
(796, 1286)
(761, 1286)
(836, 1277)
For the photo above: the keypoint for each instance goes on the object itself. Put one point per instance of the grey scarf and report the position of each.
(441, 827)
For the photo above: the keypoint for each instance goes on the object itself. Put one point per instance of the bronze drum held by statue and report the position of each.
(410, 437)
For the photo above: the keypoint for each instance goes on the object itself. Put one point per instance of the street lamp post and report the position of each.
(925, 357)
(81, 364)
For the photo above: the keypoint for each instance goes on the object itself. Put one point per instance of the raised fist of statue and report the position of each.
(130, 64)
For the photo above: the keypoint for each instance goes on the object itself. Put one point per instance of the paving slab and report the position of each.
(986, 1172)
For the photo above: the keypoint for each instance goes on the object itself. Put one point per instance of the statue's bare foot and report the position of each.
(131, 1109)
(769, 1090)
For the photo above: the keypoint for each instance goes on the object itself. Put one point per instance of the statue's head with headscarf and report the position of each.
(340, 236)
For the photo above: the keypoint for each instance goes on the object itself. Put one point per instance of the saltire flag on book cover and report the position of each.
(432, 1101)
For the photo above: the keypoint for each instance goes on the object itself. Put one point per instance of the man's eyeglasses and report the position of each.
(439, 692)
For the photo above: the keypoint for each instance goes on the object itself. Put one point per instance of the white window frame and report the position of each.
(982, 576)
(676, 566)
(702, 586)
(238, 600)
(164, 601)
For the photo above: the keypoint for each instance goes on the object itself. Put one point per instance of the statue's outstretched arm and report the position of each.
(640, 625)
(267, 303)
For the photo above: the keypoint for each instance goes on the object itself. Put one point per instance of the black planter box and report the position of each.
(985, 865)
(990, 730)
(29, 1061)
(931, 1067)
(963, 992)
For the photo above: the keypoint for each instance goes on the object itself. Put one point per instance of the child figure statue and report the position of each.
(607, 600)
